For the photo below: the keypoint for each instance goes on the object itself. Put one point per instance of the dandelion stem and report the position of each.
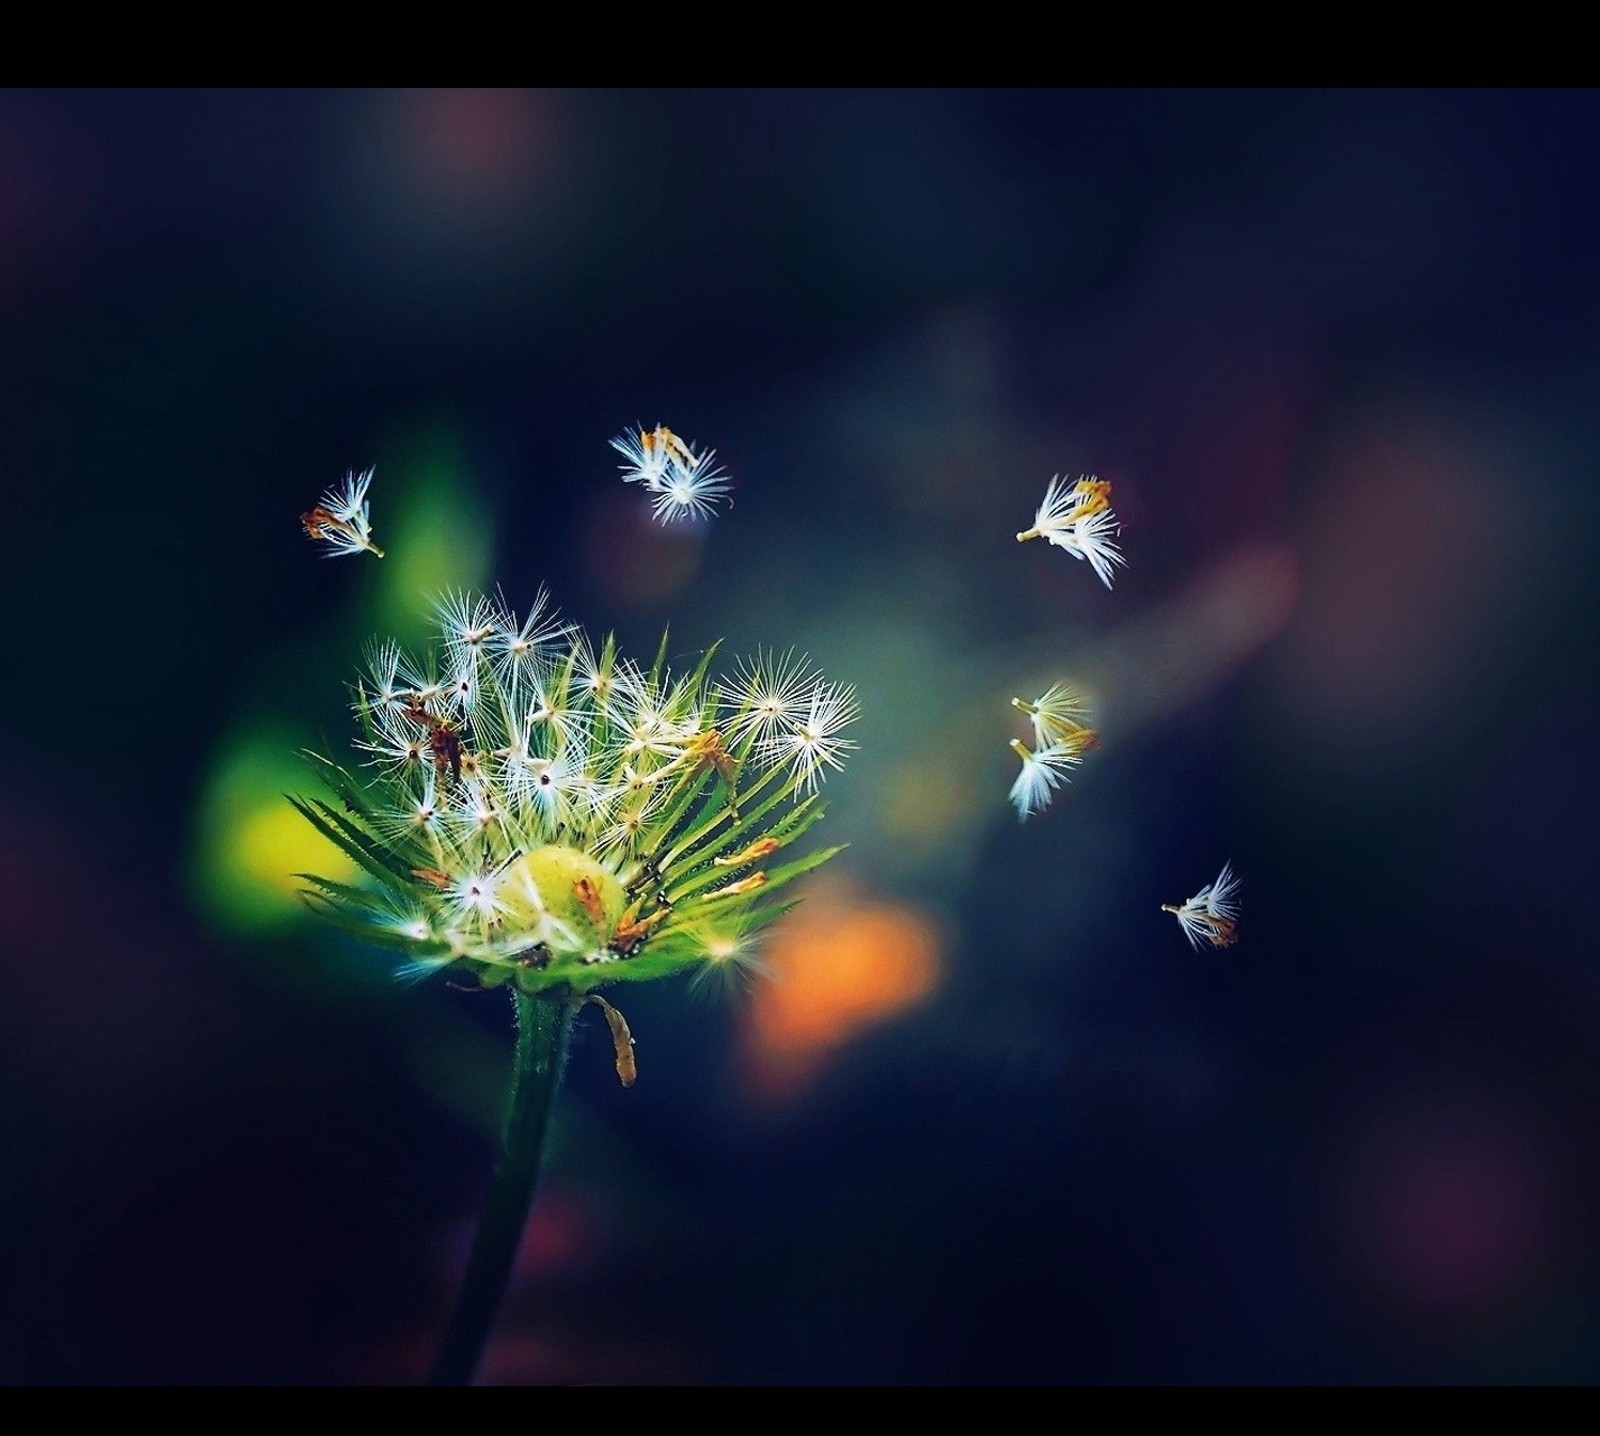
(543, 1028)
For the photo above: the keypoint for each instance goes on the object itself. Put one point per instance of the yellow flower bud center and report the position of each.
(574, 889)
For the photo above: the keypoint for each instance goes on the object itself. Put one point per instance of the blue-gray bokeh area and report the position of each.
(1337, 353)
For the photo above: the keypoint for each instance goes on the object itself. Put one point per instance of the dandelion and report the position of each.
(545, 816)
(340, 520)
(565, 831)
(1043, 770)
(682, 483)
(1054, 716)
(1212, 914)
(1079, 519)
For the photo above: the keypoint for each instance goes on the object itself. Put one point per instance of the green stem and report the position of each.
(543, 1027)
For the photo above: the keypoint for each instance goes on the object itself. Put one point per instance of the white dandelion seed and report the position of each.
(1055, 718)
(393, 681)
(689, 490)
(1079, 519)
(630, 806)
(473, 812)
(474, 895)
(552, 716)
(341, 520)
(1212, 914)
(560, 789)
(1042, 772)
(397, 743)
(607, 679)
(768, 691)
(467, 624)
(649, 452)
(421, 816)
(519, 649)
(1092, 538)
(650, 729)
(811, 745)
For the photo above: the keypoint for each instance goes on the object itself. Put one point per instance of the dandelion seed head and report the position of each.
(537, 807)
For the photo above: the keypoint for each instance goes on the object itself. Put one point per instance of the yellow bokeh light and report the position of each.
(250, 842)
(272, 844)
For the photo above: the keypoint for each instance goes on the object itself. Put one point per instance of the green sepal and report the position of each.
(363, 898)
(777, 877)
(713, 814)
(660, 665)
(697, 679)
(342, 783)
(355, 843)
(706, 873)
(705, 843)
(335, 915)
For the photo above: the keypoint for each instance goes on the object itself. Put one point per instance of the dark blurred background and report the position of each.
(990, 1120)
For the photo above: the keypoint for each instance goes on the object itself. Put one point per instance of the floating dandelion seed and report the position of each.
(1079, 519)
(1054, 716)
(340, 520)
(690, 491)
(649, 452)
(1212, 914)
(1042, 771)
(681, 482)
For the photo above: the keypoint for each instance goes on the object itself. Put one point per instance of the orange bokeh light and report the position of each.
(838, 963)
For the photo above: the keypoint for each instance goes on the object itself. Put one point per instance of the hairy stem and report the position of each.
(543, 1027)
